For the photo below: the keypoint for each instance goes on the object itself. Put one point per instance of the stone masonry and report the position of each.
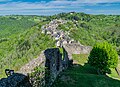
(53, 63)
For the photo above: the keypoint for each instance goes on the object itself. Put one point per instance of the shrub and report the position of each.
(103, 57)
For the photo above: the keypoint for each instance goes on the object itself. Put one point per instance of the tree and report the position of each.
(103, 57)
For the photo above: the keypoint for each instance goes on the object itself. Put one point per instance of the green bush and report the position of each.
(103, 57)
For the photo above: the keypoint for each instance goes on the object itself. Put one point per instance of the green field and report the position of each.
(82, 74)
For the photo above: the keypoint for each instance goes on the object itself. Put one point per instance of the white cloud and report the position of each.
(98, 1)
(26, 5)
(50, 7)
(52, 4)
(84, 1)
(4, 0)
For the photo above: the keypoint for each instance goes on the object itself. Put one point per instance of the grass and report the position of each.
(118, 65)
(81, 58)
(83, 75)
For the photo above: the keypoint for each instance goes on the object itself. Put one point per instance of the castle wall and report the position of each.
(39, 72)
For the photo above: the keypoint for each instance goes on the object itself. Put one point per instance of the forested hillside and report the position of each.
(20, 41)
(89, 29)
(14, 24)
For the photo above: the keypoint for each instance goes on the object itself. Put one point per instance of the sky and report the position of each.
(51, 7)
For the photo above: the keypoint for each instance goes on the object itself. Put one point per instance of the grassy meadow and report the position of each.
(81, 74)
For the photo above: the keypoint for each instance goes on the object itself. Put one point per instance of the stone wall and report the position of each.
(16, 80)
(39, 72)
(54, 64)
(76, 48)
(43, 70)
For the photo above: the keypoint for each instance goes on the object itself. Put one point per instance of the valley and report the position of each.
(23, 38)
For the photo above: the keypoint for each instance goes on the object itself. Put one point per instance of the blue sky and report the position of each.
(51, 7)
